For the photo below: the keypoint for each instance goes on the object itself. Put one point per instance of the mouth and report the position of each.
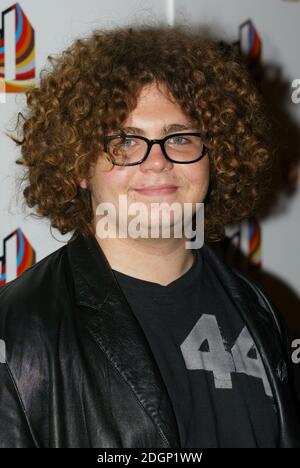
(157, 190)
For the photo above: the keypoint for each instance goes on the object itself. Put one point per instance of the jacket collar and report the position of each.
(117, 332)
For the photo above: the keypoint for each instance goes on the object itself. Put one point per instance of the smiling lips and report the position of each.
(157, 190)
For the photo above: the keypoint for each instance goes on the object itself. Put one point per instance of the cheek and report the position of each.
(108, 185)
(197, 177)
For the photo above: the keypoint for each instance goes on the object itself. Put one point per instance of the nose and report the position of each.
(156, 160)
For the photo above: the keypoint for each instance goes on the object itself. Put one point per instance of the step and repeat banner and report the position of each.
(267, 33)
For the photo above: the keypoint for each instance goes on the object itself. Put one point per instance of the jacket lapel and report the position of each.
(252, 312)
(117, 332)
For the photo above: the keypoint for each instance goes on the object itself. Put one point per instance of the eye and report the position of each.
(128, 142)
(178, 140)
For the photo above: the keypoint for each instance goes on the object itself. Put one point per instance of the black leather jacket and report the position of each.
(79, 371)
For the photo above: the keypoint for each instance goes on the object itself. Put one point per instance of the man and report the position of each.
(138, 341)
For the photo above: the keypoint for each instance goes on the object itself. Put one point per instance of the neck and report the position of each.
(160, 261)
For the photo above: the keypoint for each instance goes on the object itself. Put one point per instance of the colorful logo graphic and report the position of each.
(246, 237)
(17, 251)
(24, 51)
(249, 41)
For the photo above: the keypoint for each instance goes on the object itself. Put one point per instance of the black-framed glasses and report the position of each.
(129, 150)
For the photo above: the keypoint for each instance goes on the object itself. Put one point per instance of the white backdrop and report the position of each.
(58, 22)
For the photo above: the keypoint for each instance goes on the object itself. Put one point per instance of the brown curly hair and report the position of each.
(93, 85)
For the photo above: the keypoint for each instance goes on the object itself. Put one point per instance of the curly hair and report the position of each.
(94, 84)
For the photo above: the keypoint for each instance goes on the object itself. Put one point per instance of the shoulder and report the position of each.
(29, 304)
(34, 280)
(262, 298)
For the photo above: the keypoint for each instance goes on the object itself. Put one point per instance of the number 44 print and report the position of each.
(204, 349)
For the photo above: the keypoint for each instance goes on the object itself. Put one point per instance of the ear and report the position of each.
(83, 184)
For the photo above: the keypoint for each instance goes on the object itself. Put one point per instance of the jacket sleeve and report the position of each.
(14, 428)
(293, 368)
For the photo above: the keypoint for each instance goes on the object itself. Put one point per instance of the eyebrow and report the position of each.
(166, 129)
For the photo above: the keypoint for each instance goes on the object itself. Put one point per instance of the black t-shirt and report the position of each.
(210, 365)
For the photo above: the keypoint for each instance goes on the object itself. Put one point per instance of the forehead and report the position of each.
(155, 104)
(153, 92)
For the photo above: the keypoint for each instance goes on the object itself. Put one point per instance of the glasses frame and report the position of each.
(150, 143)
